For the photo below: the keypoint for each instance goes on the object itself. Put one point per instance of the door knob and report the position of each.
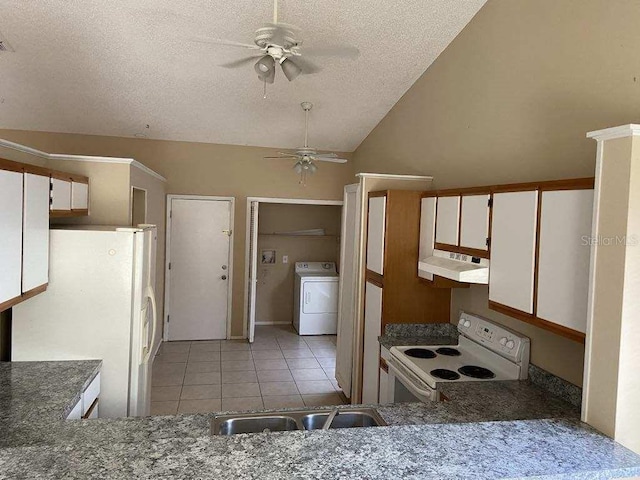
(224, 277)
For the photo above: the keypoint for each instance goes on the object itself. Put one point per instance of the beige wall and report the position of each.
(274, 292)
(510, 100)
(206, 169)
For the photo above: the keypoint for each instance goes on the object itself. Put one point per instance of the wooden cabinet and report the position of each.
(376, 228)
(513, 249)
(35, 243)
(396, 295)
(448, 220)
(10, 236)
(474, 222)
(564, 257)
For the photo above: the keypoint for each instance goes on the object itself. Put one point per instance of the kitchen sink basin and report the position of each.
(255, 424)
(294, 420)
(316, 421)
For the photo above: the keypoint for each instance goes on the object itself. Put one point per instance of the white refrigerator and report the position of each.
(100, 304)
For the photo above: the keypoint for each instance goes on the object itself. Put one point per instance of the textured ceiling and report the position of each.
(110, 67)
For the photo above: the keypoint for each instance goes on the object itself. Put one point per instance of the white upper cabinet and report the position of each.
(60, 194)
(10, 235)
(79, 196)
(427, 231)
(35, 254)
(376, 233)
(448, 220)
(564, 256)
(474, 229)
(513, 248)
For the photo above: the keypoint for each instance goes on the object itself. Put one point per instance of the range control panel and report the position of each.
(495, 337)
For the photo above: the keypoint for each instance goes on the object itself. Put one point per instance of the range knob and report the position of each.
(510, 344)
(466, 324)
(503, 341)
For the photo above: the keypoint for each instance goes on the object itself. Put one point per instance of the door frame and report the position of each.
(247, 260)
(167, 258)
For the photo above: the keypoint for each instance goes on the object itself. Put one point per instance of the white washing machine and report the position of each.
(316, 298)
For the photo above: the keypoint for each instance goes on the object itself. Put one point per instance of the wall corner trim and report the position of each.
(630, 130)
(80, 158)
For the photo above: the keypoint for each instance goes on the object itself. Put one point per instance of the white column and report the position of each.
(612, 379)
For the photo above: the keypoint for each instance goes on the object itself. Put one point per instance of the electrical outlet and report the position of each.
(285, 259)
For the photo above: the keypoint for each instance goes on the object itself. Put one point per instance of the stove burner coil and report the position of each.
(420, 353)
(444, 374)
(449, 352)
(474, 371)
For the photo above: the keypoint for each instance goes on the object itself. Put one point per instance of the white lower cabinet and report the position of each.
(87, 406)
(371, 351)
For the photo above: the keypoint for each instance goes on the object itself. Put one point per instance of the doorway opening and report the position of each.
(199, 269)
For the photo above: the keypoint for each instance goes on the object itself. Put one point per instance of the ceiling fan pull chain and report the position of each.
(264, 94)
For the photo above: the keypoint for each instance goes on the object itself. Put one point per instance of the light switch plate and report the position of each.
(285, 259)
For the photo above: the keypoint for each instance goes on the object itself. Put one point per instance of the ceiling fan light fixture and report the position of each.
(265, 65)
(290, 69)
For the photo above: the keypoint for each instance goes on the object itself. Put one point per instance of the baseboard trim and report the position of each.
(274, 323)
(237, 337)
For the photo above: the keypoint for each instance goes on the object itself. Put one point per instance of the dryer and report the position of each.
(316, 298)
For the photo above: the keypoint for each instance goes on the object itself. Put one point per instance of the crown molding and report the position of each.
(80, 158)
(630, 130)
(392, 176)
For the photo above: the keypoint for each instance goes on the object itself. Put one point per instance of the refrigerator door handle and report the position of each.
(152, 297)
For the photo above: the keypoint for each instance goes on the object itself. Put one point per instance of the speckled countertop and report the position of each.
(517, 430)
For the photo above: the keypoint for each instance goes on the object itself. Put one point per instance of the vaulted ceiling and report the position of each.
(112, 67)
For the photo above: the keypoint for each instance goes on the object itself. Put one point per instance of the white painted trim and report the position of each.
(167, 275)
(237, 337)
(629, 130)
(23, 148)
(592, 284)
(274, 323)
(80, 158)
(392, 176)
(294, 201)
(247, 260)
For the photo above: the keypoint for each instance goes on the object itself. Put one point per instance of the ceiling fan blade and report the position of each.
(307, 67)
(343, 51)
(326, 155)
(283, 157)
(227, 43)
(329, 159)
(239, 63)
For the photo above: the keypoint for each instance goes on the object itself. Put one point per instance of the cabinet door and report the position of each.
(371, 352)
(564, 257)
(474, 225)
(10, 235)
(60, 194)
(513, 241)
(448, 220)
(35, 250)
(375, 234)
(427, 230)
(79, 196)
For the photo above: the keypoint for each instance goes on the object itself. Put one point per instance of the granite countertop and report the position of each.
(487, 430)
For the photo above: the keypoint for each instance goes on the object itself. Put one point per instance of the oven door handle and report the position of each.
(408, 382)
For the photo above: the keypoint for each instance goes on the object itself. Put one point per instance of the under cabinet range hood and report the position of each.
(455, 266)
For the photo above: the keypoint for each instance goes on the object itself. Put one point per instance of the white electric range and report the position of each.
(485, 352)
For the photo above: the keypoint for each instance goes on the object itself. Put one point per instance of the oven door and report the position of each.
(404, 386)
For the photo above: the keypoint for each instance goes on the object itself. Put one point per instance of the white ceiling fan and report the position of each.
(281, 43)
(306, 156)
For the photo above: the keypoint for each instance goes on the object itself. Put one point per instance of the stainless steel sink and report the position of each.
(294, 420)
(316, 421)
(256, 424)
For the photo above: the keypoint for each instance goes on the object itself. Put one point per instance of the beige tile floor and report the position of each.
(280, 369)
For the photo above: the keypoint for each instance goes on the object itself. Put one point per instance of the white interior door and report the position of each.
(199, 259)
(253, 269)
(350, 237)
